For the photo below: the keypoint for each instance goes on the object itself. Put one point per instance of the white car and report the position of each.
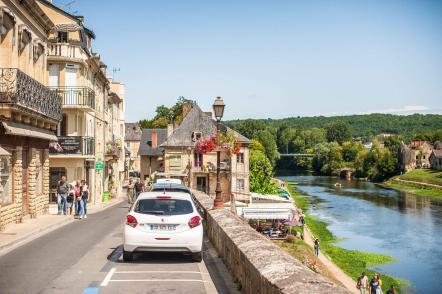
(165, 222)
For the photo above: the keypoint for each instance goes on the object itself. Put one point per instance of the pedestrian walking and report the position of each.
(77, 198)
(374, 285)
(362, 284)
(392, 290)
(379, 290)
(316, 246)
(84, 199)
(71, 198)
(130, 192)
(138, 188)
(62, 193)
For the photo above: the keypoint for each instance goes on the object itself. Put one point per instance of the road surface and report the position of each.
(85, 257)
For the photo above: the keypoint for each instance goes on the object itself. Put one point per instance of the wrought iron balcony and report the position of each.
(73, 145)
(76, 96)
(21, 91)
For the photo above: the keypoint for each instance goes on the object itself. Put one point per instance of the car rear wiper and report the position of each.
(154, 212)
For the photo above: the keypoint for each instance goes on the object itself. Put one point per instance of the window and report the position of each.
(164, 206)
(196, 136)
(62, 37)
(198, 159)
(149, 143)
(240, 157)
(5, 180)
(240, 185)
(175, 161)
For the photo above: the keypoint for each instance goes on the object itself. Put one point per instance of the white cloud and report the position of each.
(407, 109)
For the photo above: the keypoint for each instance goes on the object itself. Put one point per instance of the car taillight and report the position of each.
(194, 222)
(131, 221)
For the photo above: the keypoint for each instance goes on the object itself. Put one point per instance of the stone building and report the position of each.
(150, 152)
(181, 160)
(115, 155)
(29, 111)
(79, 76)
(132, 140)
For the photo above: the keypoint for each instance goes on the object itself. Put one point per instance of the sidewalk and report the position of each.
(16, 235)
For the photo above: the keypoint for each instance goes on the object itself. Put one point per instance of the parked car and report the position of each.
(169, 188)
(163, 222)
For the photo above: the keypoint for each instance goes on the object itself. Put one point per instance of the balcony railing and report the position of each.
(76, 96)
(66, 50)
(73, 145)
(17, 88)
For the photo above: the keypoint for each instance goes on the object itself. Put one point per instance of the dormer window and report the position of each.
(196, 136)
(62, 37)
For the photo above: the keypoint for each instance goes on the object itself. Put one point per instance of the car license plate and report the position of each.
(162, 227)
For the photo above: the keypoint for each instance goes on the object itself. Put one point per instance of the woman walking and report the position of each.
(71, 197)
(84, 198)
(77, 198)
(316, 246)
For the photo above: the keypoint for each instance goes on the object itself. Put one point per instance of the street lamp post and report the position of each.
(218, 109)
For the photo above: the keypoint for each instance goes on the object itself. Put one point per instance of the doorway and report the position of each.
(24, 179)
(201, 184)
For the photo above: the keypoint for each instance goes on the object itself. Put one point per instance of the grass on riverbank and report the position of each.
(428, 176)
(352, 262)
(414, 189)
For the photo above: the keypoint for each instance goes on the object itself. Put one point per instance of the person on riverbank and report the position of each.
(375, 287)
(379, 291)
(392, 290)
(362, 284)
(316, 246)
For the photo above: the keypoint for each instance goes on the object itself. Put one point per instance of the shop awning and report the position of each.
(3, 152)
(267, 213)
(16, 129)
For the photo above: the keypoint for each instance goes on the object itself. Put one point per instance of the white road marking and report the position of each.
(161, 280)
(108, 277)
(159, 272)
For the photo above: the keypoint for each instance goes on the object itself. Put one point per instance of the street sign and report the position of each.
(99, 165)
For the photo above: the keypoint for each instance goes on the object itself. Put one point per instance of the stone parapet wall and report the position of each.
(258, 265)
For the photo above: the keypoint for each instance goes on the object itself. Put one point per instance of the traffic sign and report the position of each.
(99, 165)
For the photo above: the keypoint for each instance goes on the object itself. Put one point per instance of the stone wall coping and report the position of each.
(257, 263)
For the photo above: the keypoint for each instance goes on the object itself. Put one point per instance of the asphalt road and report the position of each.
(85, 257)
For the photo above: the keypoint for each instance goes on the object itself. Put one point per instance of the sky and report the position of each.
(271, 59)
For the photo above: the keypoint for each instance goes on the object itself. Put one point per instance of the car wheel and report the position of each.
(128, 256)
(197, 256)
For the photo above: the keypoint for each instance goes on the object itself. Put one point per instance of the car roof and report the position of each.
(155, 194)
(166, 186)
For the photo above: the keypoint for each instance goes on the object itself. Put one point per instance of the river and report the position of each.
(373, 219)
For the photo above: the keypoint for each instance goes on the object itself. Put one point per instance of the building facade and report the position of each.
(132, 143)
(150, 152)
(181, 160)
(79, 77)
(29, 111)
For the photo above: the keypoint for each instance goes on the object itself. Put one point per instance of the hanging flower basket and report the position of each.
(227, 143)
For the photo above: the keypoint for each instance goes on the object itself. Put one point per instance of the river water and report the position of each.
(373, 219)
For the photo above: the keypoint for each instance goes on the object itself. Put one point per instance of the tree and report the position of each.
(338, 131)
(249, 127)
(261, 172)
(268, 142)
(165, 115)
(350, 150)
(328, 158)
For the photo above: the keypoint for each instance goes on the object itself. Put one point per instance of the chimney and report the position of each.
(154, 139)
(169, 130)
(187, 106)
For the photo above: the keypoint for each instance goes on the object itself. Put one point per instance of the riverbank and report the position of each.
(352, 262)
(416, 189)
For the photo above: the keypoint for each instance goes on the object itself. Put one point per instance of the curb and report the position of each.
(4, 249)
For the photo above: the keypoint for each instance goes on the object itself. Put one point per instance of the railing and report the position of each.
(73, 145)
(18, 88)
(112, 149)
(76, 96)
(66, 50)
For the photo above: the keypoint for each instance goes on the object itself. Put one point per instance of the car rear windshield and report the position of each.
(164, 206)
(168, 189)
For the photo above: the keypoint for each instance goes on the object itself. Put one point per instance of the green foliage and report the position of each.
(255, 145)
(427, 126)
(417, 190)
(350, 150)
(165, 115)
(338, 131)
(267, 140)
(261, 173)
(328, 158)
(424, 176)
